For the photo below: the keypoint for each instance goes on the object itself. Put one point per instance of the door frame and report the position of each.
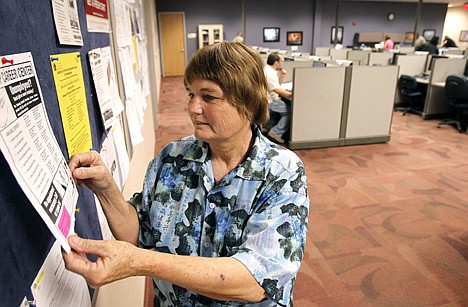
(161, 47)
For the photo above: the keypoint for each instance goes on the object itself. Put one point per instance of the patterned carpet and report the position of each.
(388, 223)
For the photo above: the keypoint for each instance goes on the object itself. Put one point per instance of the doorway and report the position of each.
(172, 34)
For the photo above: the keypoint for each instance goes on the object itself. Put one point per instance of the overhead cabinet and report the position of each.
(209, 34)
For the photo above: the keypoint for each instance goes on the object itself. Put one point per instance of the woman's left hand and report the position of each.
(115, 260)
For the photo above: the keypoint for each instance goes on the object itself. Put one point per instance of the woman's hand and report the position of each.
(115, 260)
(89, 169)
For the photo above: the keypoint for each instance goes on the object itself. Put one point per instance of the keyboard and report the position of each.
(422, 76)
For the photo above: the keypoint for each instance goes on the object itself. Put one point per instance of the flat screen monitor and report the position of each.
(319, 64)
(271, 34)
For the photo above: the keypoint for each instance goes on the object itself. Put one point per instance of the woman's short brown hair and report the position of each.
(238, 71)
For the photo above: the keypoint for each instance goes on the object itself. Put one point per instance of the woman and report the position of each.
(225, 209)
(388, 43)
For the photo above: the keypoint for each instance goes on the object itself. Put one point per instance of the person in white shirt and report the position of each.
(238, 38)
(275, 74)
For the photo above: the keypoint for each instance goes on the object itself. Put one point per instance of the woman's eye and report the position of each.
(191, 95)
(209, 98)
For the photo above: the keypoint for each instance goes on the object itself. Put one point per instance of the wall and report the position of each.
(131, 291)
(228, 13)
(297, 15)
(314, 18)
(364, 16)
(457, 20)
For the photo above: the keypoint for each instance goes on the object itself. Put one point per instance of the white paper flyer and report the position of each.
(30, 148)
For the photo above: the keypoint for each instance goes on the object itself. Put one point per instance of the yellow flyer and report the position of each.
(69, 83)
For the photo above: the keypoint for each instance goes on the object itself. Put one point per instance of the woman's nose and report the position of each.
(194, 106)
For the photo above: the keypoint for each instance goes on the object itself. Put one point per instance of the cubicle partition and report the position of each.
(365, 38)
(410, 64)
(290, 65)
(406, 49)
(322, 51)
(397, 37)
(338, 106)
(435, 105)
(361, 55)
(381, 58)
(370, 104)
(339, 54)
(317, 107)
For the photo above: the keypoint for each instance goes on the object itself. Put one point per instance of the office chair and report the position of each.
(409, 94)
(456, 91)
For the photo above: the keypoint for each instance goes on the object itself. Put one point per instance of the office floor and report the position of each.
(388, 223)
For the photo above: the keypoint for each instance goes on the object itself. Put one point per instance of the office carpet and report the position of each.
(388, 223)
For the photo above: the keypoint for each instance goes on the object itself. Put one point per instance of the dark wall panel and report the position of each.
(28, 26)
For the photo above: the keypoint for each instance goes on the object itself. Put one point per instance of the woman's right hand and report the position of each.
(89, 169)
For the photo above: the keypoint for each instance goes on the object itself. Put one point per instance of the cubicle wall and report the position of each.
(290, 65)
(337, 106)
(435, 105)
(361, 55)
(370, 105)
(406, 49)
(380, 58)
(322, 51)
(339, 54)
(410, 64)
(317, 107)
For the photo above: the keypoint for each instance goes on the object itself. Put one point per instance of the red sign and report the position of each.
(97, 8)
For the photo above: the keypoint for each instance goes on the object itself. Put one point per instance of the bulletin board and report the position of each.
(28, 26)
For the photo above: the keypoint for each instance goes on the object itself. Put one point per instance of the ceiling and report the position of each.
(449, 2)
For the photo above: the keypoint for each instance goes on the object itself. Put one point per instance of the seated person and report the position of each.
(448, 42)
(420, 40)
(430, 47)
(389, 44)
(275, 74)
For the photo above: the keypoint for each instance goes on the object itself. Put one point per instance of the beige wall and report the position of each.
(131, 291)
(456, 21)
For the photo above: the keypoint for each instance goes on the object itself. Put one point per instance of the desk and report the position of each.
(434, 98)
(287, 86)
(435, 103)
(422, 80)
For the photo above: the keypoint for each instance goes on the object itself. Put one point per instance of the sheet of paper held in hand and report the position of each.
(30, 148)
(54, 286)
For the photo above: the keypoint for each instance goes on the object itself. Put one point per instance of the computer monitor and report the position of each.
(319, 64)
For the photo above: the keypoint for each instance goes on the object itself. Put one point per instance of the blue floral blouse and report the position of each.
(257, 214)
